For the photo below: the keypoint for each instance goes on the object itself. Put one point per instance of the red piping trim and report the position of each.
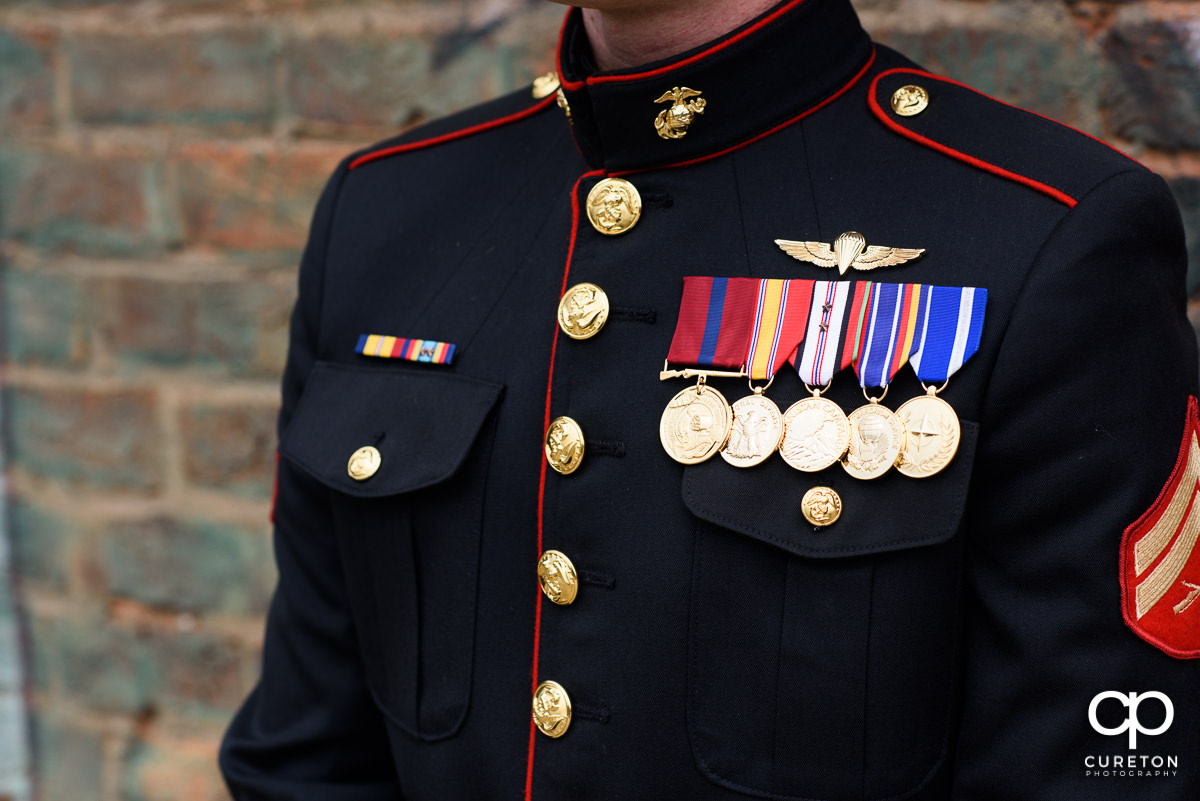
(692, 59)
(786, 123)
(1191, 425)
(537, 620)
(1046, 189)
(453, 135)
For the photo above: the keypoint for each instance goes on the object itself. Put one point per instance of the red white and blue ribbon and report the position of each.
(894, 313)
(951, 328)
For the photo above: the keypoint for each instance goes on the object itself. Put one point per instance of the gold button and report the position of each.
(909, 101)
(583, 311)
(564, 445)
(822, 506)
(557, 577)
(551, 709)
(545, 85)
(614, 206)
(364, 463)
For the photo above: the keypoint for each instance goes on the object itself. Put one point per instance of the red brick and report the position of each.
(211, 79)
(173, 770)
(1152, 86)
(48, 318)
(89, 204)
(199, 672)
(370, 86)
(239, 199)
(27, 91)
(230, 448)
(226, 327)
(357, 83)
(100, 439)
(189, 566)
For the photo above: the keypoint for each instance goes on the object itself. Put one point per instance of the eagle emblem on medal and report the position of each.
(850, 250)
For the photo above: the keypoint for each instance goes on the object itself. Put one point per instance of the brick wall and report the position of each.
(158, 163)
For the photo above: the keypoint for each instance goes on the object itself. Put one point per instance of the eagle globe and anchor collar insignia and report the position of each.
(673, 123)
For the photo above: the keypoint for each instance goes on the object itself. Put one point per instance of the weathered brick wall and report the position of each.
(158, 163)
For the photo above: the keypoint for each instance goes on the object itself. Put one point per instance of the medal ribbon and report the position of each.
(822, 327)
(780, 320)
(715, 320)
(820, 356)
(950, 333)
(893, 314)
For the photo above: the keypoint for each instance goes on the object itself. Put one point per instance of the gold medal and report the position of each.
(876, 441)
(757, 431)
(695, 424)
(933, 434)
(816, 434)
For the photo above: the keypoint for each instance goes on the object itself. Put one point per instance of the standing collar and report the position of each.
(773, 69)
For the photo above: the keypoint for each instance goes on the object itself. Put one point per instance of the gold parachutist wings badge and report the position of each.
(848, 250)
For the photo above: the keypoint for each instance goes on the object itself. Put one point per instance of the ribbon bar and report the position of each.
(413, 350)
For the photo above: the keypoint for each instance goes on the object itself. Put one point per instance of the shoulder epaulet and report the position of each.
(998, 138)
(496, 113)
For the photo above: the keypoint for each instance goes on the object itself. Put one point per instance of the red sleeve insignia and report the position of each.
(1160, 564)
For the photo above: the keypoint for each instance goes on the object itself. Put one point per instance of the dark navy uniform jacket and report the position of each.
(942, 640)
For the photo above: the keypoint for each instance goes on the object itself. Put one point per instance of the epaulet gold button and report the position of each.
(909, 101)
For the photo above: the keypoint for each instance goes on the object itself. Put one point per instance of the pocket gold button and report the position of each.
(564, 445)
(557, 577)
(583, 311)
(364, 463)
(614, 206)
(821, 506)
(551, 709)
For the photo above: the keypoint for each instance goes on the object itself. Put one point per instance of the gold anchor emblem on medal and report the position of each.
(673, 123)
(848, 250)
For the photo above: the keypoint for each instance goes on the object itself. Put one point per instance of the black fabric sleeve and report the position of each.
(310, 730)
(1080, 430)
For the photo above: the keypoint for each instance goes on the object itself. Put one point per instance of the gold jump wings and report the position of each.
(848, 250)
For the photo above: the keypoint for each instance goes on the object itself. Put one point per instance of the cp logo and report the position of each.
(1131, 724)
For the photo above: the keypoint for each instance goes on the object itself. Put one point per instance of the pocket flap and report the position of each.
(884, 514)
(422, 423)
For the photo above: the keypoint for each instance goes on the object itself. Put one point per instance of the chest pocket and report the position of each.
(822, 660)
(410, 533)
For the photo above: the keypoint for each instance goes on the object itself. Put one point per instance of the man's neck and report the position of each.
(628, 37)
